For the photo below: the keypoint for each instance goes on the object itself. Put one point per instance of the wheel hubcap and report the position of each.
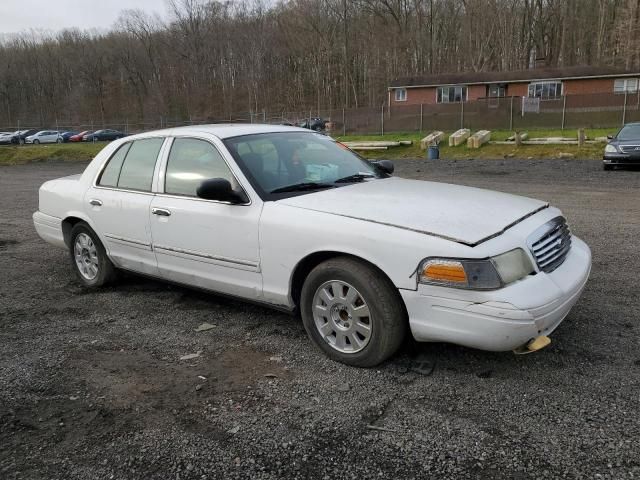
(86, 256)
(342, 316)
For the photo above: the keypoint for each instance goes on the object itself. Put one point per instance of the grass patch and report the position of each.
(588, 151)
(68, 152)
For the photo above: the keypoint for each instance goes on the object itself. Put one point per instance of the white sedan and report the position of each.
(291, 219)
(44, 136)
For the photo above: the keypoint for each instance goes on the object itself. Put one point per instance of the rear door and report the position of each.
(49, 137)
(205, 243)
(119, 204)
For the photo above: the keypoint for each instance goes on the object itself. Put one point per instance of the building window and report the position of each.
(401, 94)
(451, 94)
(497, 90)
(545, 90)
(622, 85)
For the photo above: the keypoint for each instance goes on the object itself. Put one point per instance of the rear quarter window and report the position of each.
(111, 172)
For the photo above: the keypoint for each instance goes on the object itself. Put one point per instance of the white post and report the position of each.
(511, 116)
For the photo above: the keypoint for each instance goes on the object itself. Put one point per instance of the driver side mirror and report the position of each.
(220, 189)
(386, 166)
(610, 137)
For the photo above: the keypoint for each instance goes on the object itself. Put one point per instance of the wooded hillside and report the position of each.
(211, 59)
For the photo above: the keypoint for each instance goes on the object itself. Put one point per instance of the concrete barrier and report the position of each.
(459, 137)
(478, 139)
(433, 137)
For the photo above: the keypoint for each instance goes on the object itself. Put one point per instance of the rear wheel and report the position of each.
(607, 167)
(89, 258)
(352, 312)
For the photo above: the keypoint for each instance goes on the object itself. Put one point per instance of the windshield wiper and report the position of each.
(299, 187)
(357, 177)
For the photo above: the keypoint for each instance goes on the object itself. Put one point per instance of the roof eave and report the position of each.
(582, 77)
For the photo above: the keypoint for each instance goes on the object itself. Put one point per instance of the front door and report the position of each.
(119, 205)
(204, 243)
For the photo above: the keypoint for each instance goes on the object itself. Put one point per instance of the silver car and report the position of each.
(44, 136)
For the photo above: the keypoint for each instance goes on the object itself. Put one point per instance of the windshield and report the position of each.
(629, 132)
(285, 164)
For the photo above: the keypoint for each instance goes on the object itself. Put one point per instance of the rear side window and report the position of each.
(137, 170)
(111, 172)
(192, 161)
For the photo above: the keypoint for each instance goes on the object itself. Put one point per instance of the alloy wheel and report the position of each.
(86, 256)
(342, 316)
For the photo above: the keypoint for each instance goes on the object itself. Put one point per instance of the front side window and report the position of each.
(545, 90)
(451, 94)
(192, 161)
(401, 94)
(275, 163)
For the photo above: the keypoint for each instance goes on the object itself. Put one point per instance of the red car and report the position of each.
(79, 136)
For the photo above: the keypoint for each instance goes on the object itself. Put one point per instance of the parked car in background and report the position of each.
(316, 124)
(79, 137)
(66, 136)
(103, 136)
(288, 218)
(44, 136)
(623, 148)
(5, 138)
(19, 137)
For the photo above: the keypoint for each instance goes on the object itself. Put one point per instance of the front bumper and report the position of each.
(621, 159)
(503, 319)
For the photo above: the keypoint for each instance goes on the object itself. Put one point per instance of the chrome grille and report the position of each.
(550, 244)
(630, 148)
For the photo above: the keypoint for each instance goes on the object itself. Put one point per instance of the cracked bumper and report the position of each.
(504, 319)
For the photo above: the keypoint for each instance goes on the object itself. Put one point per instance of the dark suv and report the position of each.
(624, 147)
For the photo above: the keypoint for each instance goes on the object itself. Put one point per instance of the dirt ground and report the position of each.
(92, 385)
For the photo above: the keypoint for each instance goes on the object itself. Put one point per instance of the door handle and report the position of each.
(95, 202)
(163, 212)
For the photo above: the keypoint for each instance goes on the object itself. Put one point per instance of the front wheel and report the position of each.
(607, 167)
(36, 142)
(352, 312)
(89, 258)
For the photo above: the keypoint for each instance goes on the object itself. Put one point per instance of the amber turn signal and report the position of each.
(444, 271)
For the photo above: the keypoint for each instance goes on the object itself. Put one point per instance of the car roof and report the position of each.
(225, 130)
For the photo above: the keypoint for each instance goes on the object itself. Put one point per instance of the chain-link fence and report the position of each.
(509, 113)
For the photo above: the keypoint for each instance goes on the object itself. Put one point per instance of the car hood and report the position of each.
(465, 215)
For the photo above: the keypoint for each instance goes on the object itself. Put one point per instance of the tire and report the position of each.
(59, 140)
(36, 142)
(345, 338)
(607, 167)
(99, 270)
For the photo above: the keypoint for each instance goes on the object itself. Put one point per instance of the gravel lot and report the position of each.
(92, 385)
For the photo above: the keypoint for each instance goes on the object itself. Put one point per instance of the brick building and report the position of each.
(545, 83)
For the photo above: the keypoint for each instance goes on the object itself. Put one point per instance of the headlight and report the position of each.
(610, 149)
(488, 274)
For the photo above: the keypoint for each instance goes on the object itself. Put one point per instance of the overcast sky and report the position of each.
(20, 15)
